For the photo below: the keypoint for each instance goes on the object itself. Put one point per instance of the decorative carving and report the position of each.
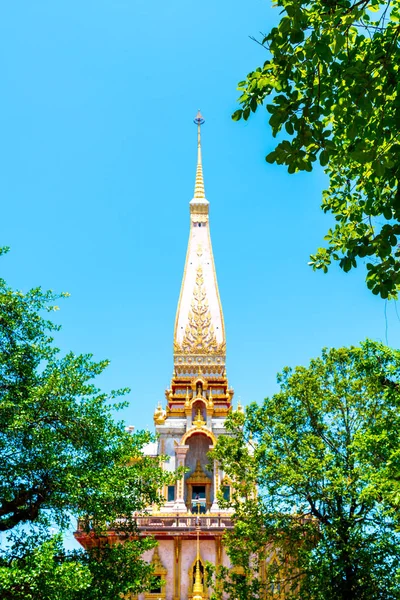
(195, 430)
(159, 568)
(159, 415)
(198, 475)
(187, 399)
(199, 335)
(160, 572)
(199, 422)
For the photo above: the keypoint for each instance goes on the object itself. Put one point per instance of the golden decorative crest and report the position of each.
(198, 475)
(199, 335)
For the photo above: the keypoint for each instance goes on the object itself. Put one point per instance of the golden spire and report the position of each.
(198, 586)
(199, 184)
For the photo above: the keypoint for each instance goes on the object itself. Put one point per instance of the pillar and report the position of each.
(180, 505)
(177, 567)
(214, 506)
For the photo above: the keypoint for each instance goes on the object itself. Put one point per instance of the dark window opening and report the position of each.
(155, 587)
(276, 587)
(171, 493)
(199, 499)
(226, 492)
(201, 572)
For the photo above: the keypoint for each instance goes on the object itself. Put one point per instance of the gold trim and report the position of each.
(194, 430)
(216, 286)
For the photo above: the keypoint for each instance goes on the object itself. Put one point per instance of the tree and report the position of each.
(32, 571)
(324, 454)
(40, 569)
(332, 81)
(61, 451)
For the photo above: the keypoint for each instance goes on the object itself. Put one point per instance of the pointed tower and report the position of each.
(189, 527)
(197, 404)
(199, 335)
(190, 524)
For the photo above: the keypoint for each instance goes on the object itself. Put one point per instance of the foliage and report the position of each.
(62, 454)
(60, 449)
(42, 570)
(118, 569)
(332, 81)
(324, 455)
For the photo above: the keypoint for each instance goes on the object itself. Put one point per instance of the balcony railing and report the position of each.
(184, 522)
(171, 522)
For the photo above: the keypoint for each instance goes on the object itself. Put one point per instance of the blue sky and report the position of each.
(98, 153)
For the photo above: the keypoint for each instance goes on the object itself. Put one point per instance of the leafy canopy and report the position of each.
(324, 455)
(62, 454)
(39, 568)
(332, 82)
(61, 450)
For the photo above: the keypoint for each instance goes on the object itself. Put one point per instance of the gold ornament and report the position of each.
(199, 335)
(199, 422)
(159, 415)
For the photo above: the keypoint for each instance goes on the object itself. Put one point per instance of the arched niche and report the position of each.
(199, 384)
(192, 576)
(199, 484)
(199, 404)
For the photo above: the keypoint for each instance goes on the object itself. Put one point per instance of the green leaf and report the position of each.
(323, 158)
(237, 115)
(331, 78)
(297, 36)
(289, 127)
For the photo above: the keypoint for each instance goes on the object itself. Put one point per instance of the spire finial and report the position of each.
(199, 184)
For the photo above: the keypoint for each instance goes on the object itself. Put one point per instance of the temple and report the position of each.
(197, 403)
(190, 524)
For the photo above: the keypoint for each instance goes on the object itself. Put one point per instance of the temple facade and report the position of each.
(190, 525)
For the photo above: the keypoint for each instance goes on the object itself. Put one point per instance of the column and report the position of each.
(218, 557)
(180, 505)
(177, 567)
(214, 506)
